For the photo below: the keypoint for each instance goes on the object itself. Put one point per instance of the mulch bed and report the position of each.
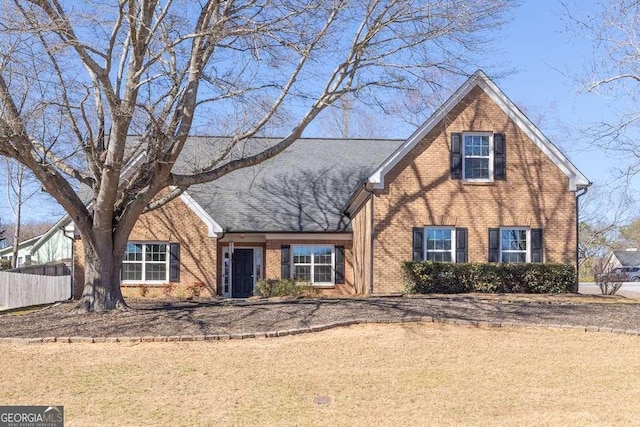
(211, 317)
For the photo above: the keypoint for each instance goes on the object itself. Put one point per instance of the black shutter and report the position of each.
(456, 156)
(418, 245)
(285, 264)
(174, 262)
(461, 245)
(339, 265)
(536, 245)
(494, 245)
(499, 157)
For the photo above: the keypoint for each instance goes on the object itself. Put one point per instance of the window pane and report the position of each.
(514, 257)
(155, 252)
(322, 255)
(322, 274)
(439, 256)
(302, 273)
(476, 168)
(476, 145)
(156, 271)
(514, 240)
(133, 252)
(131, 271)
(302, 255)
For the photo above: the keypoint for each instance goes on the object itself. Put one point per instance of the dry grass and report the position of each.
(376, 374)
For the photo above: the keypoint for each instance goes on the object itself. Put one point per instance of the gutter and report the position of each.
(579, 194)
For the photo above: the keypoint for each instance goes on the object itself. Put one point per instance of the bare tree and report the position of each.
(154, 68)
(603, 213)
(19, 191)
(612, 72)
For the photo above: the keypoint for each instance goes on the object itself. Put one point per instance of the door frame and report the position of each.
(227, 266)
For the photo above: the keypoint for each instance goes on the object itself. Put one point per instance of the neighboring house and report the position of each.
(50, 247)
(477, 182)
(622, 258)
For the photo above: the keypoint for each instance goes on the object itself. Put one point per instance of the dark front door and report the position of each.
(242, 276)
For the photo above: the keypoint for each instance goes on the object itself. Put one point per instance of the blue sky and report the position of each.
(547, 59)
(544, 57)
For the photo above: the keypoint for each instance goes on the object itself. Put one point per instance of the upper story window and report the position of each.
(478, 157)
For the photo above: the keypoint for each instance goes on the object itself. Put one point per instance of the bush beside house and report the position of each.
(425, 277)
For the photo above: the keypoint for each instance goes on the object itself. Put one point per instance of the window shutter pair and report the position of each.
(285, 263)
(174, 262)
(535, 244)
(499, 156)
(461, 244)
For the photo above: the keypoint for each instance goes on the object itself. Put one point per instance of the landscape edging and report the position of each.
(310, 329)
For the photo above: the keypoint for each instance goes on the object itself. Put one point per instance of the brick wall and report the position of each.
(420, 192)
(173, 223)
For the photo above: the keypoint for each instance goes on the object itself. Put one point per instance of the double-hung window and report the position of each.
(145, 262)
(440, 244)
(514, 245)
(313, 264)
(477, 164)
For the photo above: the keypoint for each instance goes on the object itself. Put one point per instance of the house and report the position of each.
(622, 258)
(51, 247)
(477, 182)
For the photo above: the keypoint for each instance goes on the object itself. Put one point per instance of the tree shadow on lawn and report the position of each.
(204, 317)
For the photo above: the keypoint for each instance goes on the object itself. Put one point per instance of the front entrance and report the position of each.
(242, 273)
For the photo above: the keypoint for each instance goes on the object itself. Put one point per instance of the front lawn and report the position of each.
(361, 375)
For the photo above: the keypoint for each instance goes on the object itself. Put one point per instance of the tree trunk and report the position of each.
(102, 279)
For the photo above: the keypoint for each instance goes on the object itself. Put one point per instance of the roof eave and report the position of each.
(479, 78)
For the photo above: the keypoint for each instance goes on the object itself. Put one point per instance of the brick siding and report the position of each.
(419, 192)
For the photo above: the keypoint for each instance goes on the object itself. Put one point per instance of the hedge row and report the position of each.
(426, 277)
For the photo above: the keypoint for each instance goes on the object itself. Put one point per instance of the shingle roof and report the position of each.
(628, 258)
(302, 189)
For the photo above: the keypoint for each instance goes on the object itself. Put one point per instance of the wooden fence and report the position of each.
(23, 290)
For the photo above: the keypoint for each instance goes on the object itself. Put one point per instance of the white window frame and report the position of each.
(528, 249)
(144, 263)
(465, 156)
(452, 230)
(312, 264)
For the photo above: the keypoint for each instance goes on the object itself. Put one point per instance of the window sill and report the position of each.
(479, 183)
(143, 282)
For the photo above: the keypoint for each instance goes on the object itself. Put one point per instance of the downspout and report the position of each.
(220, 277)
(73, 258)
(579, 194)
(371, 243)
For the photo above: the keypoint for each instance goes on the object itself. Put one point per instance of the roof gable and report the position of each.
(630, 258)
(479, 79)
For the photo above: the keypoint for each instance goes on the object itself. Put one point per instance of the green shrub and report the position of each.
(282, 288)
(425, 277)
